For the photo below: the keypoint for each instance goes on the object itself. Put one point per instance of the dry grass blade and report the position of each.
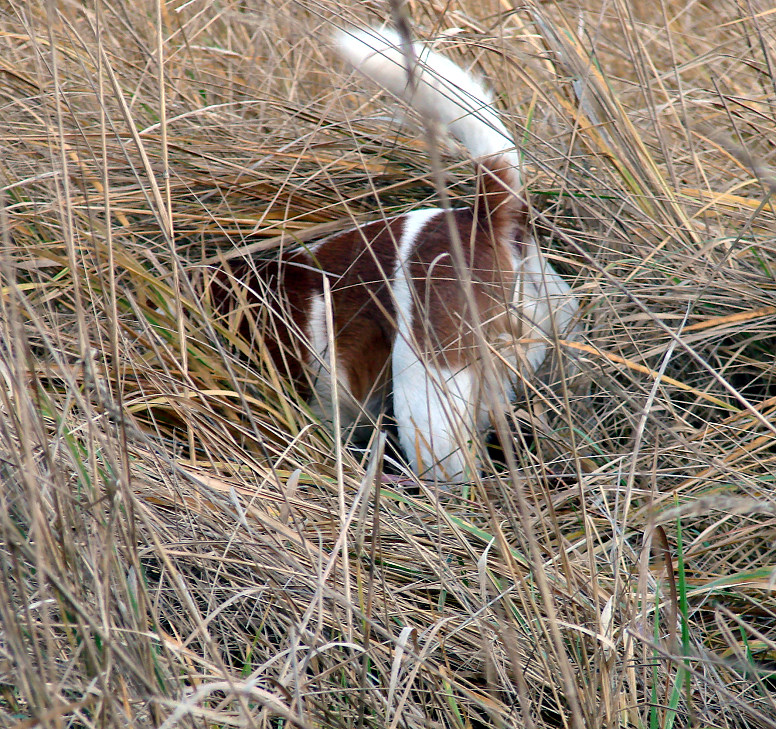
(183, 544)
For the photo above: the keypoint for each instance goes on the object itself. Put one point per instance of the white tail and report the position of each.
(442, 91)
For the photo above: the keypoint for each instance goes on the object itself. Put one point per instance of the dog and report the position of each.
(442, 310)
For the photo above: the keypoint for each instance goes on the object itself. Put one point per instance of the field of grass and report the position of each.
(183, 545)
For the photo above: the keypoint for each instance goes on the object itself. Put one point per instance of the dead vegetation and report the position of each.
(183, 546)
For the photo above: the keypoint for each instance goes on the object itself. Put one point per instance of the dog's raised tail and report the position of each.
(440, 90)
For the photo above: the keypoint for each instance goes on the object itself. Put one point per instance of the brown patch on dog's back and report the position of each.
(271, 299)
(360, 266)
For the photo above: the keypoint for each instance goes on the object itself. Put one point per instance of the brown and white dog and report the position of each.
(403, 316)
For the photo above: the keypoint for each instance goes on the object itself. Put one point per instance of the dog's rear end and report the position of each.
(440, 307)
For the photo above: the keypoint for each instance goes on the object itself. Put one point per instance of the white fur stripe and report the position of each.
(413, 223)
(319, 356)
(432, 407)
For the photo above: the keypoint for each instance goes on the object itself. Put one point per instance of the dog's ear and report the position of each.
(499, 208)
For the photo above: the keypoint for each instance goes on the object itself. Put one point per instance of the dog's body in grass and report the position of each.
(440, 308)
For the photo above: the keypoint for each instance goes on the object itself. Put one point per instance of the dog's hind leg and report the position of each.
(437, 412)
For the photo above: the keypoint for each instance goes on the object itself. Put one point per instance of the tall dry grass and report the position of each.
(183, 546)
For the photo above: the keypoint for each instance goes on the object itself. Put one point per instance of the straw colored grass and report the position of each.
(184, 545)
